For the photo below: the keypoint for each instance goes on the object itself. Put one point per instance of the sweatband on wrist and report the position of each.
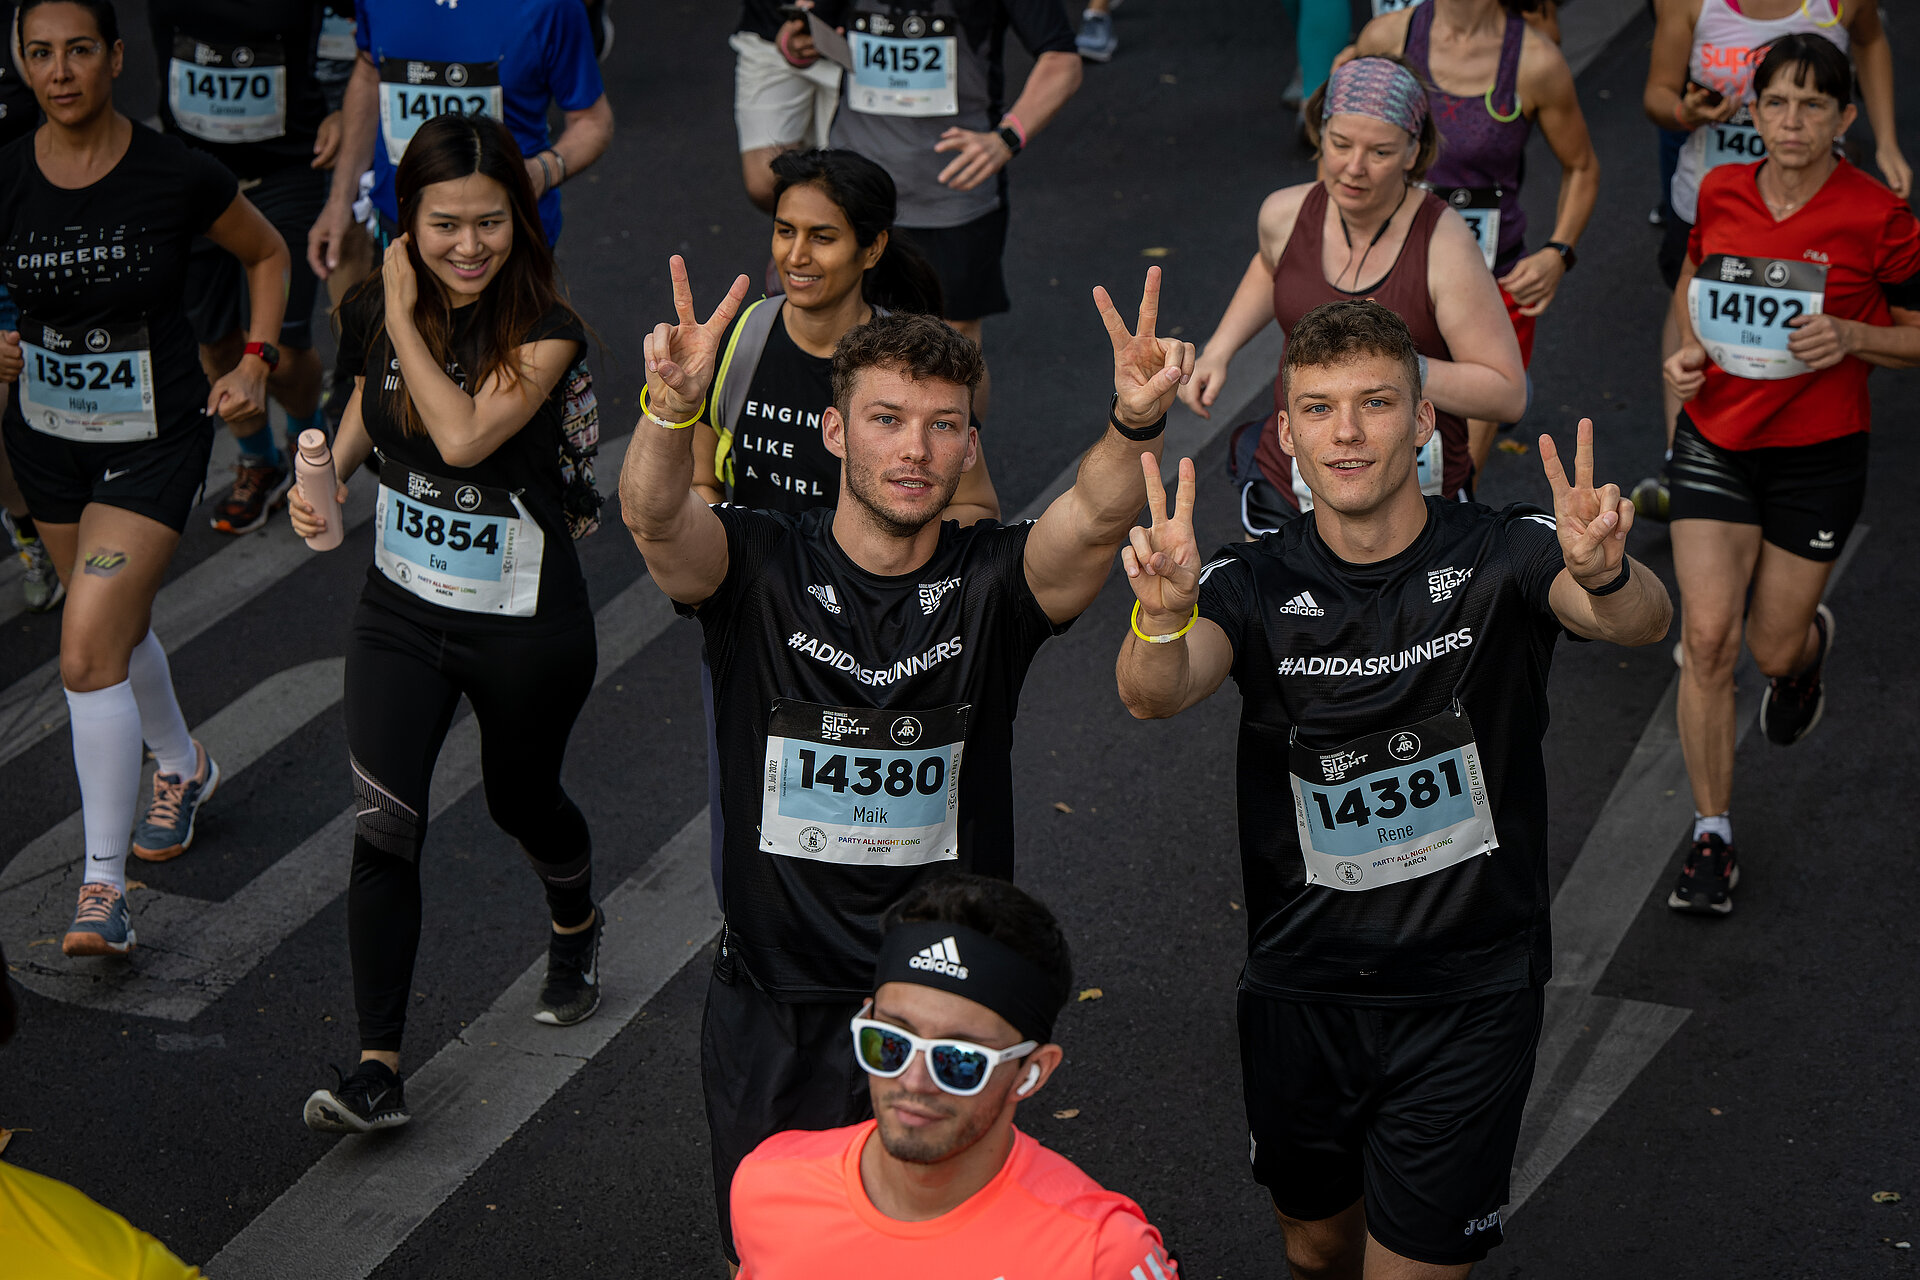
(1137, 434)
(952, 957)
(1626, 571)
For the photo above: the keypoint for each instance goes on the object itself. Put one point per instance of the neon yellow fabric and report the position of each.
(50, 1231)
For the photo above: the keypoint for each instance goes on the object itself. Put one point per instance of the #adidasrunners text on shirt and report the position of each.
(841, 660)
(1381, 664)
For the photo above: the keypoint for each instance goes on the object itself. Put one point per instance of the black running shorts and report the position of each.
(216, 293)
(1805, 498)
(1416, 1109)
(159, 478)
(767, 1066)
(1675, 232)
(967, 260)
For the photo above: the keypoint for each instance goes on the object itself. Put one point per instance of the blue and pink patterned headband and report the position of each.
(1378, 88)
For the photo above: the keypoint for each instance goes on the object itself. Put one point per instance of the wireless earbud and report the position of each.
(1033, 1078)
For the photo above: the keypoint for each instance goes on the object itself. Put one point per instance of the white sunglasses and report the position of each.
(958, 1067)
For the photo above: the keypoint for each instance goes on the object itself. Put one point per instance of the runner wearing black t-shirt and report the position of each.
(237, 82)
(1392, 653)
(857, 652)
(111, 419)
(457, 348)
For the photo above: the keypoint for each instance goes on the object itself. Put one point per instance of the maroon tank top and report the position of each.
(1300, 285)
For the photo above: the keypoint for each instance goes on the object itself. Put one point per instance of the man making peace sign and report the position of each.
(867, 663)
(1392, 653)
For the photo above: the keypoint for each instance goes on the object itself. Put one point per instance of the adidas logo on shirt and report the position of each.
(941, 957)
(824, 594)
(1304, 604)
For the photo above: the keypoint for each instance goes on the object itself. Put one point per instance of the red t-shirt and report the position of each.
(1865, 236)
(800, 1211)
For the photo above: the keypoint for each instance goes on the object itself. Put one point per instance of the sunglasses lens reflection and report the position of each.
(959, 1069)
(884, 1051)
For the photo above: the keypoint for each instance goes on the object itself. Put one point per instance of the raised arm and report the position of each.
(1187, 656)
(1072, 545)
(1593, 526)
(682, 539)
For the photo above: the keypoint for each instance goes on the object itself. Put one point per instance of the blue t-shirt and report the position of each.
(542, 51)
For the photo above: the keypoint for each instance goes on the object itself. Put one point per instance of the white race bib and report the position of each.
(863, 787)
(1393, 806)
(95, 387)
(1743, 309)
(336, 38)
(461, 546)
(228, 92)
(414, 91)
(1734, 142)
(904, 65)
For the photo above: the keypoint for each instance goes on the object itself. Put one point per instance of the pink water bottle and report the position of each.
(313, 466)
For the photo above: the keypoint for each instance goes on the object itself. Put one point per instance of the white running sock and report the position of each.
(106, 755)
(1720, 824)
(161, 723)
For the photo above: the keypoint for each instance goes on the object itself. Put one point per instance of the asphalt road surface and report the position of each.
(1715, 1098)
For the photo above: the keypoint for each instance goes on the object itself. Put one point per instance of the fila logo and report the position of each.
(1823, 541)
(941, 957)
(1442, 583)
(1304, 604)
(828, 600)
(932, 593)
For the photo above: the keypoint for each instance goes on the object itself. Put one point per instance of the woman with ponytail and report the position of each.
(758, 443)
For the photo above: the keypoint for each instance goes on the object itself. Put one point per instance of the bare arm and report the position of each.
(583, 139)
(979, 155)
(1485, 378)
(1072, 545)
(1547, 82)
(1592, 525)
(351, 446)
(244, 232)
(465, 428)
(1873, 56)
(1251, 308)
(684, 543)
(706, 477)
(359, 131)
(1163, 568)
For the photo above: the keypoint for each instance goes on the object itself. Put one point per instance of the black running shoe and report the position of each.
(369, 1099)
(1791, 706)
(1707, 882)
(572, 990)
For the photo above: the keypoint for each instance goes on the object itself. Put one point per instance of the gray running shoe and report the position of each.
(167, 830)
(102, 925)
(1096, 41)
(41, 586)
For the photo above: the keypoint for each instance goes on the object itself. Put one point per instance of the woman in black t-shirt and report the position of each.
(111, 419)
(457, 347)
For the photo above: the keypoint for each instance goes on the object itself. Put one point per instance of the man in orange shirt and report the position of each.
(959, 1031)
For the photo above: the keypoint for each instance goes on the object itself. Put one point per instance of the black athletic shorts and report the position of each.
(769, 1065)
(1417, 1109)
(1805, 498)
(159, 478)
(217, 301)
(1263, 507)
(1674, 233)
(967, 260)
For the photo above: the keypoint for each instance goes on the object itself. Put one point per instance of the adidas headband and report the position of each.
(1378, 88)
(952, 957)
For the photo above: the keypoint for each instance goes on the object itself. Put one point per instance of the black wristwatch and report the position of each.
(1012, 139)
(1568, 257)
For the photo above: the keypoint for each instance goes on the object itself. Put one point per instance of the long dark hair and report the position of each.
(902, 280)
(448, 148)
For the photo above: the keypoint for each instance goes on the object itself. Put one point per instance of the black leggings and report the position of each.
(403, 684)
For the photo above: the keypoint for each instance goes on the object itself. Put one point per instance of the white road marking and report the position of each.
(1592, 1047)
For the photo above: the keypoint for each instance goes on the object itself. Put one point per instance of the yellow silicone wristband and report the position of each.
(646, 411)
(1166, 639)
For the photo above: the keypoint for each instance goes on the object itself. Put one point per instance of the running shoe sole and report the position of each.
(53, 601)
(324, 1113)
(276, 499)
(193, 819)
(86, 943)
(1820, 707)
(1721, 910)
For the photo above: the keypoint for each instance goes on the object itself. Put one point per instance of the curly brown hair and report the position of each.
(919, 346)
(1336, 332)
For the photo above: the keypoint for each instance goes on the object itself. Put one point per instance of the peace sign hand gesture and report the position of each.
(1592, 523)
(1147, 371)
(1163, 562)
(681, 357)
